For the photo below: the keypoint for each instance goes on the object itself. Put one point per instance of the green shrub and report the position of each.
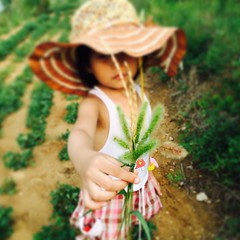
(175, 177)
(23, 51)
(6, 46)
(18, 161)
(30, 140)
(58, 230)
(72, 111)
(39, 108)
(63, 154)
(6, 222)
(64, 200)
(215, 143)
(5, 73)
(8, 187)
(10, 95)
(65, 135)
(209, 26)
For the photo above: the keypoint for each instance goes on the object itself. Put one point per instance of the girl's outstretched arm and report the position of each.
(94, 167)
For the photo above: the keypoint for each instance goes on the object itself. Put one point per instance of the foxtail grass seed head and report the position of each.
(173, 150)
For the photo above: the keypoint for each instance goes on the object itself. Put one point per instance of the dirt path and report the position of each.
(181, 218)
(31, 204)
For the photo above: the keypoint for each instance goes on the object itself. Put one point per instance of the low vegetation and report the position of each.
(72, 111)
(10, 95)
(8, 187)
(64, 200)
(6, 222)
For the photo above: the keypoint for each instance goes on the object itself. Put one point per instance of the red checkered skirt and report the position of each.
(145, 200)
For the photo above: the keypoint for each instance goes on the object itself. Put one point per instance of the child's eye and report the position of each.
(103, 56)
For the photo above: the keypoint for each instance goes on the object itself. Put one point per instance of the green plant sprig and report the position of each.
(136, 143)
(140, 141)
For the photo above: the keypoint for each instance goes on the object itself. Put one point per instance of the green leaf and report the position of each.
(140, 121)
(124, 124)
(143, 223)
(144, 148)
(123, 192)
(121, 142)
(126, 158)
(157, 114)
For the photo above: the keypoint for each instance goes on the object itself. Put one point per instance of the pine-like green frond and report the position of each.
(157, 115)
(122, 142)
(140, 121)
(124, 124)
(143, 149)
(127, 158)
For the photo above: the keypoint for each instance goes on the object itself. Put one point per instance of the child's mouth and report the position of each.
(118, 76)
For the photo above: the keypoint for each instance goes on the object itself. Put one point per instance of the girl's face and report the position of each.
(104, 70)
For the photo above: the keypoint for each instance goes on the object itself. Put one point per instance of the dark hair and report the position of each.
(83, 63)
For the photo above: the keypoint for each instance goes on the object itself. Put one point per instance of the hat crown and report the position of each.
(98, 14)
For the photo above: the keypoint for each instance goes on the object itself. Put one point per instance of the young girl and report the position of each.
(85, 66)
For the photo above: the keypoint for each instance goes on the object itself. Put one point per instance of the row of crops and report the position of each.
(17, 47)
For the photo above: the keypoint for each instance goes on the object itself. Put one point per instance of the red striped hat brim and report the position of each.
(54, 62)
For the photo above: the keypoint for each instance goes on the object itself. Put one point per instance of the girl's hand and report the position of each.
(156, 184)
(97, 183)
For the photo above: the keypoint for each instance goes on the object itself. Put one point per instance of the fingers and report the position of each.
(156, 185)
(113, 168)
(90, 203)
(108, 183)
(99, 194)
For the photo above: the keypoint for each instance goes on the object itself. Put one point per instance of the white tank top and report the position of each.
(111, 147)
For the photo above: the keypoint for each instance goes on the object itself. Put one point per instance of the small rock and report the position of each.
(170, 138)
(181, 183)
(190, 167)
(172, 170)
(183, 128)
(201, 197)
(192, 188)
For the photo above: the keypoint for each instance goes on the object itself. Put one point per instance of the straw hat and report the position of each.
(107, 26)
